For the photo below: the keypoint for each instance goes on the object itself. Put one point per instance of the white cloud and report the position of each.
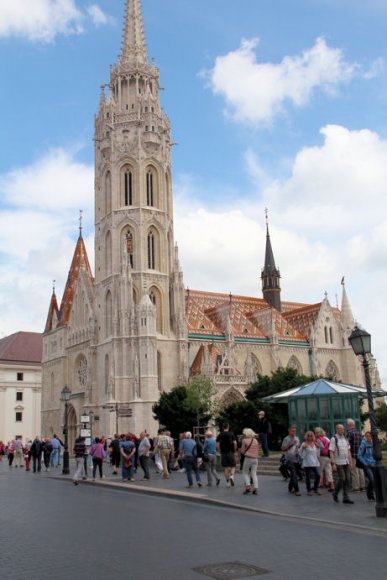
(38, 230)
(257, 92)
(43, 20)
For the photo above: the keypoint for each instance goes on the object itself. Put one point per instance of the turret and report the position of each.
(270, 275)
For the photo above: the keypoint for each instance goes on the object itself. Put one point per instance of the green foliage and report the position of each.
(183, 407)
(244, 414)
(381, 417)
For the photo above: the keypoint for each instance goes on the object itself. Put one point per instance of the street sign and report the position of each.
(85, 419)
(85, 432)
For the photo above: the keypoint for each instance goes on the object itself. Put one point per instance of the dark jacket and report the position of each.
(79, 447)
(36, 448)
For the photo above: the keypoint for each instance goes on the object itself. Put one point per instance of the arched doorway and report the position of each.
(72, 427)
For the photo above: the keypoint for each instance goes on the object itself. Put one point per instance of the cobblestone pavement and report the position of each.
(51, 529)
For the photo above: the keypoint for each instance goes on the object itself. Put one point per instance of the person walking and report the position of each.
(10, 452)
(36, 454)
(97, 453)
(127, 450)
(55, 444)
(310, 453)
(143, 455)
(365, 456)
(291, 447)
(47, 452)
(326, 477)
(227, 445)
(115, 456)
(79, 453)
(18, 452)
(354, 440)
(341, 460)
(164, 448)
(209, 459)
(188, 450)
(263, 430)
(249, 452)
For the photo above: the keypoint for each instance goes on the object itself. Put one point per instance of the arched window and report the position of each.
(295, 364)
(129, 247)
(332, 372)
(326, 334)
(149, 188)
(108, 254)
(127, 185)
(155, 298)
(108, 314)
(151, 251)
(108, 192)
(331, 334)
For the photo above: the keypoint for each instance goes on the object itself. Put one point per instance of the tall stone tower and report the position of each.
(270, 275)
(140, 301)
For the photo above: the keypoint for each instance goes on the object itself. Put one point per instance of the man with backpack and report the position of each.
(354, 440)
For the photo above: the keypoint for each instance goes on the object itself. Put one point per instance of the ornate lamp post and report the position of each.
(65, 397)
(360, 340)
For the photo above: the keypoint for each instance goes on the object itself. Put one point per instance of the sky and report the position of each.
(272, 104)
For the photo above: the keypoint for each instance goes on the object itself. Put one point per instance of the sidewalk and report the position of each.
(273, 498)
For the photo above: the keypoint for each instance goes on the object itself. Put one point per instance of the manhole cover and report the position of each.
(230, 570)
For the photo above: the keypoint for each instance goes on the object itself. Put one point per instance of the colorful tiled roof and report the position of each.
(210, 313)
(213, 352)
(22, 347)
(80, 261)
(52, 311)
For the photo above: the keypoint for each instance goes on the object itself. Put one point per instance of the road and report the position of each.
(51, 529)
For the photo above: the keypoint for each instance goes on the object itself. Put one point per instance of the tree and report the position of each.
(381, 417)
(244, 414)
(185, 407)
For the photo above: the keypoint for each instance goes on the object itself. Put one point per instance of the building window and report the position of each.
(151, 251)
(129, 247)
(326, 334)
(20, 376)
(19, 396)
(149, 188)
(331, 334)
(128, 188)
(18, 417)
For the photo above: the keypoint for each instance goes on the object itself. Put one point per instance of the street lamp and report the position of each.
(65, 397)
(360, 341)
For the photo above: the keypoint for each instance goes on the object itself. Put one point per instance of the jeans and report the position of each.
(191, 465)
(264, 444)
(54, 457)
(210, 466)
(97, 462)
(46, 460)
(370, 476)
(343, 480)
(250, 466)
(293, 481)
(308, 473)
(144, 462)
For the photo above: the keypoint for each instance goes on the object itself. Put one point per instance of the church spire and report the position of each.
(346, 316)
(270, 274)
(133, 40)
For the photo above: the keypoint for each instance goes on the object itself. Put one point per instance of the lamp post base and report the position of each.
(380, 484)
(66, 463)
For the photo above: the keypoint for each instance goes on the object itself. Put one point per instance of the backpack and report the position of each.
(325, 450)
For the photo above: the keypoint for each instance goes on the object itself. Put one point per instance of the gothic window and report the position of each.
(231, 397)
(331, 334)
(332, 372)
(155, 298)
(128, 177)
(108, 315)
(108, 193)
(81, 372)
(151, 251)
(129, 247)
(108, 254)
(151, 186)
(294, 363)
(326, 334)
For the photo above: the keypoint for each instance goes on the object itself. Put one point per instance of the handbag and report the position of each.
(206, 457)
(359, 464)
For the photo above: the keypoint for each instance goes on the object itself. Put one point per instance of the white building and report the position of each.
(20, 385)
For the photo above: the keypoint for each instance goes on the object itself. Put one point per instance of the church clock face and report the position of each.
(82, 372)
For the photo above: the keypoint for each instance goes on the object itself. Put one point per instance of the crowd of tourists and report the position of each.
(343, 463)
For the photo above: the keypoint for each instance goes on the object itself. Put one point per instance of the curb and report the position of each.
(197, 498)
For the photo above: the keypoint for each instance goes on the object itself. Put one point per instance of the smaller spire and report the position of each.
(133, 41)
(346, 316)
(80, 222)
(270, 274)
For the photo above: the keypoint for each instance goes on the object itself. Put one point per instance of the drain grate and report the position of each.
(229, 570)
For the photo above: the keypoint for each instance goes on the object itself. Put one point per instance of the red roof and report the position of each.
(23, 347)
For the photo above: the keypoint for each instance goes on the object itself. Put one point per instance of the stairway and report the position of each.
(269, 465)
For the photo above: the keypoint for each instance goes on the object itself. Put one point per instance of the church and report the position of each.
(121, 336)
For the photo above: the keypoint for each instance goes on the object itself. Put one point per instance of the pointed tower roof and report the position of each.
(346, 317)
(133, 41)
(270, 266)
(80, 261)
(52, 311)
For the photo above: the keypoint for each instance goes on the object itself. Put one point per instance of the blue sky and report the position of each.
(272, 103)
